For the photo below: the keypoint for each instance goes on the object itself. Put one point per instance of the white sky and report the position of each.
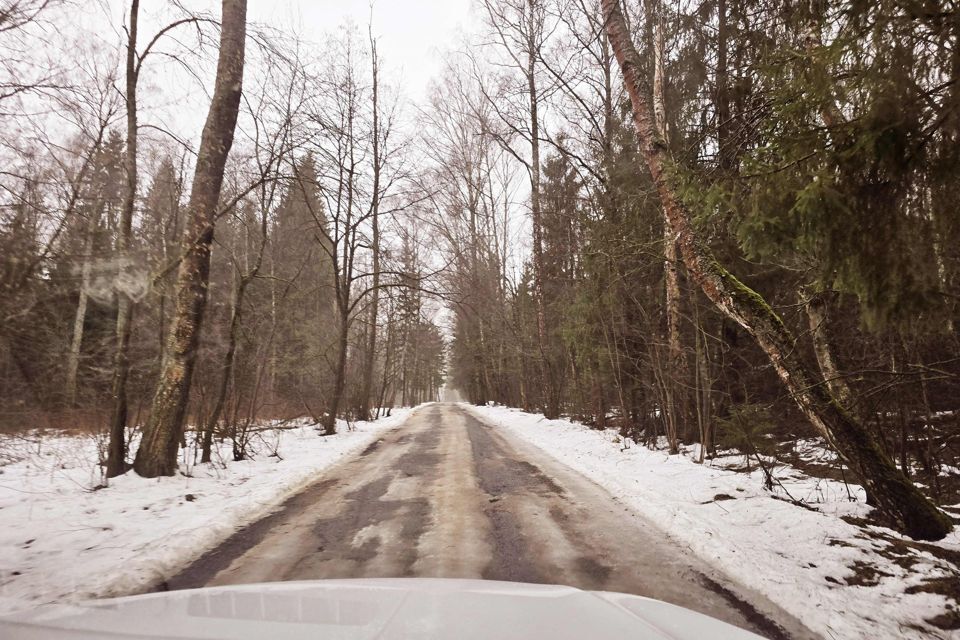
(413, 34)
(413, 37)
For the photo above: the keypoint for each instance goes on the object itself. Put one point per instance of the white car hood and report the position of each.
(387, 609)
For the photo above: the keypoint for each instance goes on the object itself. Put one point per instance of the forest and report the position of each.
(724, 223)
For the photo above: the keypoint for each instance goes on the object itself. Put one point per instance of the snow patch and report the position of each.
(63, 540)
(840, 579)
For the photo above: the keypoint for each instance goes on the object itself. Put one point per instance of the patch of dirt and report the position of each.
(865, 575)
(370, 448)
(904, 552)
(594, 570)
(907, 554)
(949, 620)
(948, 586)
(837, 542)
(765, 625)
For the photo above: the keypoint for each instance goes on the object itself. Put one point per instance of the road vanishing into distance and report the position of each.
(446, 495)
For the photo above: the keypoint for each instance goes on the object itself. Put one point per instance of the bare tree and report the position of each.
(272, 149)
(157, 454)
(22, 71)
(520, 30)
(117, 449)
(377, 160)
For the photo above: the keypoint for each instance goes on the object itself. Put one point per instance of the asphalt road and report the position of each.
(445, 495)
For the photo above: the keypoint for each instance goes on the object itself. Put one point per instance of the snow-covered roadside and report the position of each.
(801, 559)
(60, 540)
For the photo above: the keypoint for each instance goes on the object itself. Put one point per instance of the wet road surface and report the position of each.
(447, 496)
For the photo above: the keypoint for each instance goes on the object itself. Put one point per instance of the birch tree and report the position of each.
(157, 454)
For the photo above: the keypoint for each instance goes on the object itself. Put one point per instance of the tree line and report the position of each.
(741, 220)
(154, 291)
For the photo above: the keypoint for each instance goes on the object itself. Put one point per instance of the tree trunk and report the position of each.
(236, 316)
(725, 154)
(817, 314)
(896, 496)
(368, 365)
(117, 448)
(387, 364)
(86, 272)
(675, 407)
(702, 388)
(339, 383)
(536, 219)
(157, 454)
(220, 400)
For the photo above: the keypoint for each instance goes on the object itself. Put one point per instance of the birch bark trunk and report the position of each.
(79, 319)
(157, 454)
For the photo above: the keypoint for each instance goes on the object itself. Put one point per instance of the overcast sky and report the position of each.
(413, 34)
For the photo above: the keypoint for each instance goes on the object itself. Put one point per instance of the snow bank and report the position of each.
(62, 540)
(801, 559)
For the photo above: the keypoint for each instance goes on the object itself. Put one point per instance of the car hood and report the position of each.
(384, 609)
